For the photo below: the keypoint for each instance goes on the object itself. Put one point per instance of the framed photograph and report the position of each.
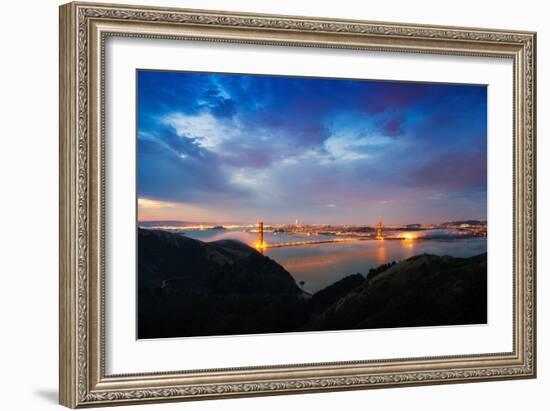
(259, 204)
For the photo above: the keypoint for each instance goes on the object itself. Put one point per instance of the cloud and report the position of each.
(438, 196)
(354, 145)
(234, 144)
(392, 126)
(218, 101)
(452, 171)
(179, 168)
(384, 96)
(204, 128)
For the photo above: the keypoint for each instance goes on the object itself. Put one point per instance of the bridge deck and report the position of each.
(300, 243)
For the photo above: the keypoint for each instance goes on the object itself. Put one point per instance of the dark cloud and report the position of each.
(181, 145)
(175, 168)
(393, 125)
(218, 105)
(383, 96)
(452, 171)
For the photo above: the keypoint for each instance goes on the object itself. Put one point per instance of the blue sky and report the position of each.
(241, 148)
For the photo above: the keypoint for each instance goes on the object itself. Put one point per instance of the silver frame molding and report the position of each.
(84, 27)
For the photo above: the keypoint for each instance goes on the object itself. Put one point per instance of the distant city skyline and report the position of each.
(372, 223)
(243, 148)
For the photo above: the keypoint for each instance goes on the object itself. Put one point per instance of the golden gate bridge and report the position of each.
(262, 245)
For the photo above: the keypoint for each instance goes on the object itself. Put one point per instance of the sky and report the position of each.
(228, 148)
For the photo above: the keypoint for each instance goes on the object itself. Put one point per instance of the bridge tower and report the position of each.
(261, 234)
(379, 233)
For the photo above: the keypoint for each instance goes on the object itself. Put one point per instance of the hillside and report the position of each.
(188, 287)
(425, 290)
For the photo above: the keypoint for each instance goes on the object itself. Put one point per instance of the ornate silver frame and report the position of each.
(83, 30)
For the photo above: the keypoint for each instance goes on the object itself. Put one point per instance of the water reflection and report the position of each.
(322, 264)
(381, 254)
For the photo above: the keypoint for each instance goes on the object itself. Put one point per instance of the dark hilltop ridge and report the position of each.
(190, 288)
(187, 287)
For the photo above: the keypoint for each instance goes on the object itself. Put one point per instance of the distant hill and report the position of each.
(170, 223)
(176, 223)
(160, 223)
(187, 287)
(470, 222)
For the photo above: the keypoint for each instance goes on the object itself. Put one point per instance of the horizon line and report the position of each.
(304, 223)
